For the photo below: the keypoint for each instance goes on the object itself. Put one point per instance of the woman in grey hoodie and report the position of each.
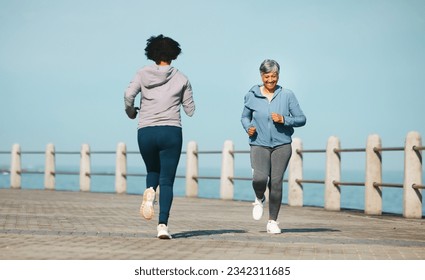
(163, 89)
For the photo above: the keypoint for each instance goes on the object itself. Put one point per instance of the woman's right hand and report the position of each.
(251, 131)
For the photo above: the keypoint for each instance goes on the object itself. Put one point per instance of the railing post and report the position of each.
(227, 171)
(121, 168)
(295, 190)
(373, 195)
(15, 167)
(49, 168)
(412, 198)
(333, 173)
(192, 169)
(85, 168)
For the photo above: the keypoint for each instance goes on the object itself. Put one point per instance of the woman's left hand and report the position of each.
(278, 118)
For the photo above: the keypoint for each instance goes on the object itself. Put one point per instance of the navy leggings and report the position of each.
(160, 147)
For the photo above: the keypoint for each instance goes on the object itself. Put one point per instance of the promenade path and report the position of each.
(41, 224)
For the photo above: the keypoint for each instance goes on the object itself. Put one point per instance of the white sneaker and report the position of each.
(272, 227)
(163, 232)
(257, 211)
(146, 209)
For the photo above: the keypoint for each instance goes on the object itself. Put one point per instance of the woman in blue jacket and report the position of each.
(269, 116)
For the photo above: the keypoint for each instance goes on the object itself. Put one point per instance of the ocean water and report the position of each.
(352, 197)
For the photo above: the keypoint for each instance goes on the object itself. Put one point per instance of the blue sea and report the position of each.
(352, 197)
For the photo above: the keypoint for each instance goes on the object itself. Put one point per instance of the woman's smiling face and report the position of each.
(270, 80)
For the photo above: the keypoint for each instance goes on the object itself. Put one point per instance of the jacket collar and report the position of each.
(257, 92)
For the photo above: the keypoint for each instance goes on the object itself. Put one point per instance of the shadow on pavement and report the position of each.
(188, 234)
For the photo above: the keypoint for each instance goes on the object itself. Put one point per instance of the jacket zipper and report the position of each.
(269, 118)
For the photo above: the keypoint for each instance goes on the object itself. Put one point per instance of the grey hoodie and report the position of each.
(163, 89)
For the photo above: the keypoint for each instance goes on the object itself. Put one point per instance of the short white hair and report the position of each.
(269, 66)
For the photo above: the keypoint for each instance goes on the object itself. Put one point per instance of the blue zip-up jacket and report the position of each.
(257, 112)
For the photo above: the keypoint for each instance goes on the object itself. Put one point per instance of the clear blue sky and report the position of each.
(356, 66)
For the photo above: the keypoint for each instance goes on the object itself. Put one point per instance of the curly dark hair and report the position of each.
(162, 48)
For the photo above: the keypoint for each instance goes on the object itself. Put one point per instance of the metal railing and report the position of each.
(298, 151)
(412, 182)
(345, 183)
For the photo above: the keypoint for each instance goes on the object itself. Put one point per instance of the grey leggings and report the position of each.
(269, 165)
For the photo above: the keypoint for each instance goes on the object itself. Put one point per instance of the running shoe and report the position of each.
(272, 227)
(146, 209)
(163, 232)
(257, 211)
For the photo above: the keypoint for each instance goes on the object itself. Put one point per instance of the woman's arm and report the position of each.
(187, 100)
(296, 117)
(129, 95)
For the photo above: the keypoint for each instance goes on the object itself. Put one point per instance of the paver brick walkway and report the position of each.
(42, 224)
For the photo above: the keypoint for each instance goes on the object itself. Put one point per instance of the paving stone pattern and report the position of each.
(42, 224)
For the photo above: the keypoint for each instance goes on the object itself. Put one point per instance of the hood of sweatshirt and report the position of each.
(257, 92)
(155, 75)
